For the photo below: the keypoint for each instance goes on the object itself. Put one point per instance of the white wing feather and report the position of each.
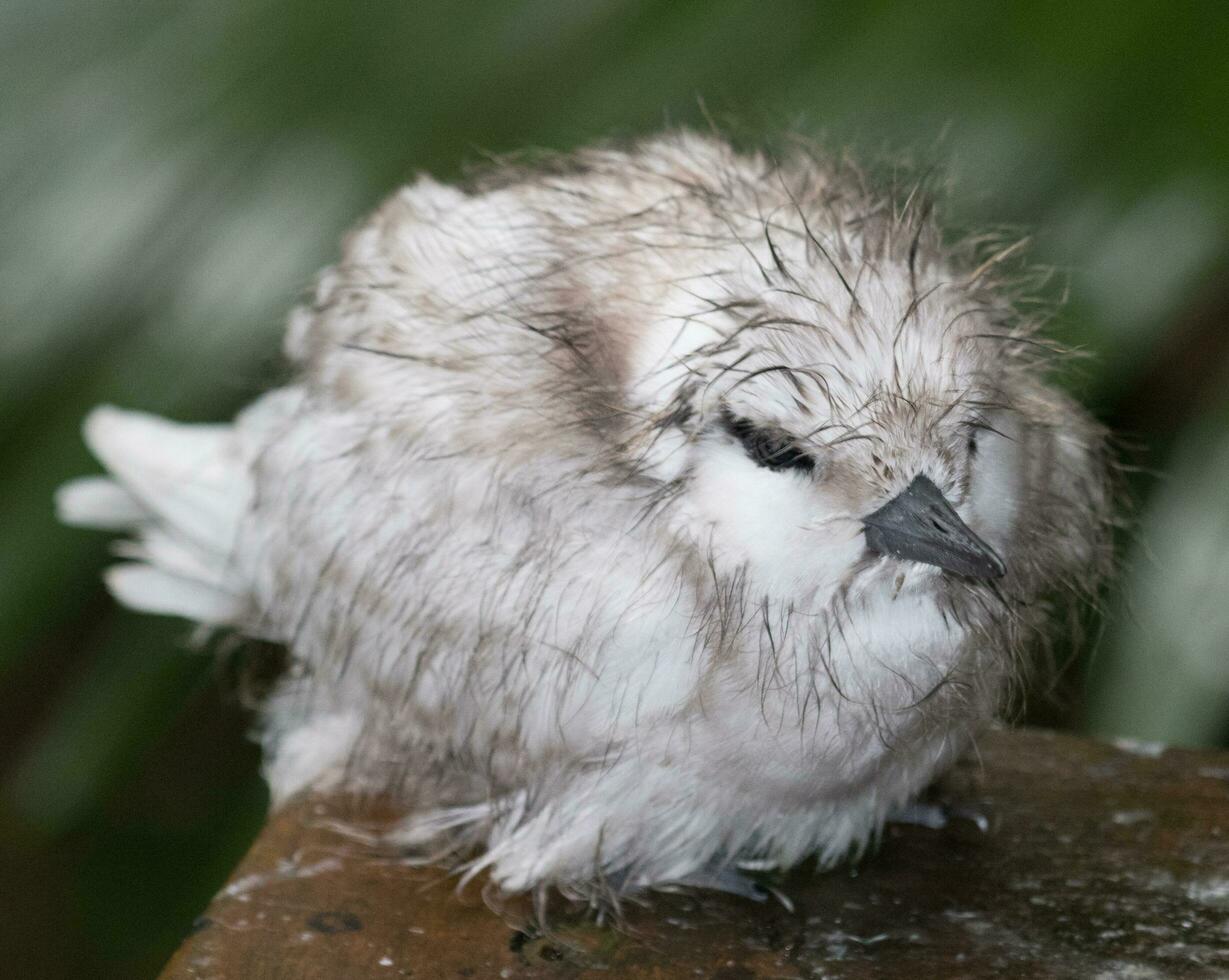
(182, 490)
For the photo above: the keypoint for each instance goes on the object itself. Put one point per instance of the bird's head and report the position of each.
(837, 444)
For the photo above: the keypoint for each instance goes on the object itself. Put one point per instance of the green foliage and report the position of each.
(171, 175)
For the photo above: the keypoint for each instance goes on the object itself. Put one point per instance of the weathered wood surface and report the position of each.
(1101, 861)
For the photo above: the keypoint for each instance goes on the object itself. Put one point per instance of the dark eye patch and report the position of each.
(769, 448)
(973, 428)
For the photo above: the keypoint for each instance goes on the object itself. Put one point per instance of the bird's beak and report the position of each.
(919, 524)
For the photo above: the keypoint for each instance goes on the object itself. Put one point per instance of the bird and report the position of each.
(649, 514)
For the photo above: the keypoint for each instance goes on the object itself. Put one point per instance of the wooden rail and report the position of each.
(1100, 861)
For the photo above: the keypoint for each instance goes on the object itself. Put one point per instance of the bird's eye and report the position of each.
(972, 444)
(766, 447)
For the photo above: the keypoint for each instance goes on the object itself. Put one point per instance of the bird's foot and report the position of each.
(936, 816)
(732, 881)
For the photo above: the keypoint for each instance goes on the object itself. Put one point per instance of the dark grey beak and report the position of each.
(919, 524)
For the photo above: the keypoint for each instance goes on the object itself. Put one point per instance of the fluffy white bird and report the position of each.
(631, 519)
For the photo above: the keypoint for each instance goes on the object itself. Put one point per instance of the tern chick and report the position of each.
(631, 518)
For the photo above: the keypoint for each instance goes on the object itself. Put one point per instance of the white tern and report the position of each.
(633, 517)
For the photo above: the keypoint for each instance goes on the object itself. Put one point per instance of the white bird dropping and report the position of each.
(630, 519)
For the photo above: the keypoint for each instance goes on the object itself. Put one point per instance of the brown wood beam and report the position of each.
(1100, 861)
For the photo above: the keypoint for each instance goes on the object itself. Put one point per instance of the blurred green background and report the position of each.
(172, 175)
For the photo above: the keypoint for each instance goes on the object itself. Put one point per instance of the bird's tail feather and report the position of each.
(181, 492)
